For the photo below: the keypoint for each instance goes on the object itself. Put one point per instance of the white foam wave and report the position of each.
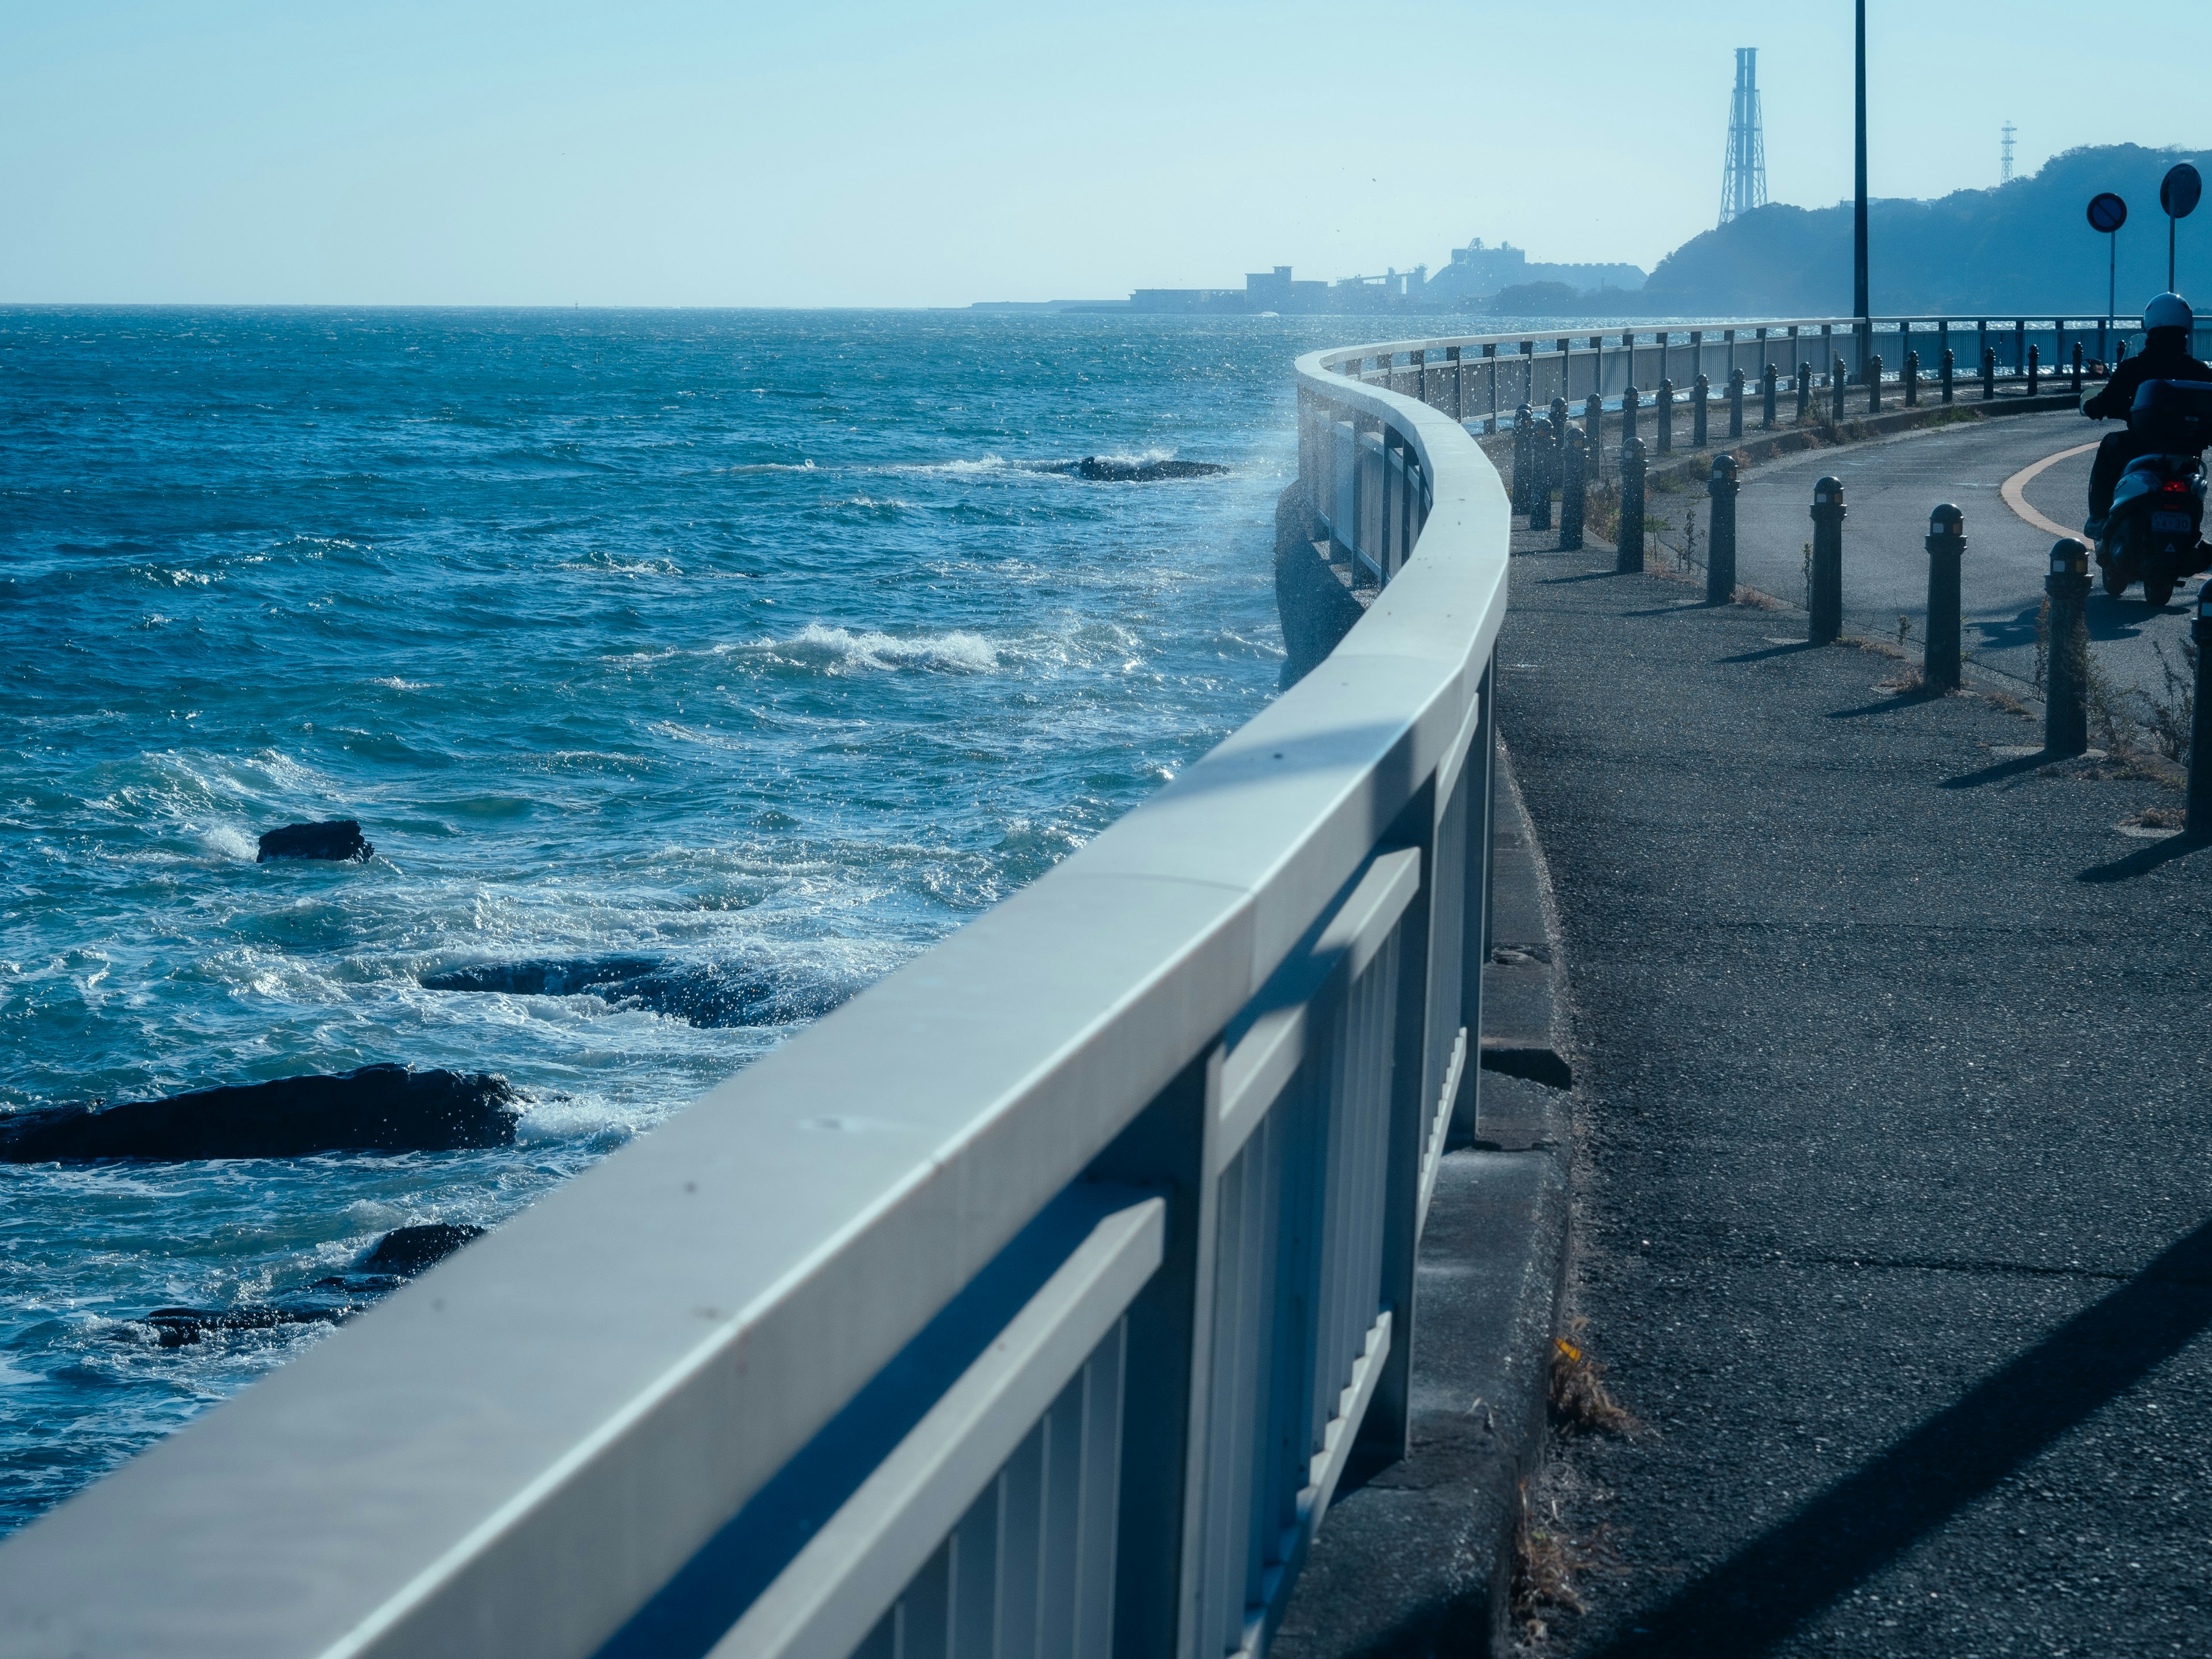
(227, 842)
(836, 648)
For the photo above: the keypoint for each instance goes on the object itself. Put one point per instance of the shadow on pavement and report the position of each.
(1755, 1599)
(1589, 576)
(1792, 649)
(1887, 705)
(2143, 860)
(1998, 773)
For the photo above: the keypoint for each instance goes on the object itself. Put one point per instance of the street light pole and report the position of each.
(1859, 303)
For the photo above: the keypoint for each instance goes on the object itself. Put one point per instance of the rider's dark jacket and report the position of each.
(2159, 360)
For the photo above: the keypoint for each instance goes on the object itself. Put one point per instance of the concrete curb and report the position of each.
(1417, 1559)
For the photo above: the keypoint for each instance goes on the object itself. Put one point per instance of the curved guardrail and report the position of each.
(1032, 1303)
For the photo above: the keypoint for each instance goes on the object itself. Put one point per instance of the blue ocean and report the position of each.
(764, 648)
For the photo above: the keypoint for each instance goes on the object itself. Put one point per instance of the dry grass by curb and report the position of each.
(1581, 1403)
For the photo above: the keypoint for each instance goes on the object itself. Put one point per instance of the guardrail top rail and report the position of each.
(1047, 1283)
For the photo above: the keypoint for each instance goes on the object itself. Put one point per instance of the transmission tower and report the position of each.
(1743, 175)
(2004, 166)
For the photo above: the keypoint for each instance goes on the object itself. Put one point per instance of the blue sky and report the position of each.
(859, 153)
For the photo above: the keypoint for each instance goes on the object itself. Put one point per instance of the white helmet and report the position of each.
(2168, 311)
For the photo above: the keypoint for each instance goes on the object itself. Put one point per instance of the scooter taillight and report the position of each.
(2175, 487)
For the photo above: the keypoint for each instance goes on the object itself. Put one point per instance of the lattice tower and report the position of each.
(1743, 173)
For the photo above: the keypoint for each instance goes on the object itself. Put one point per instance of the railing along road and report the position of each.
(1031, 1303)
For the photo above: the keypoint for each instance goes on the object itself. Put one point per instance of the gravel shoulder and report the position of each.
(1892, 1222)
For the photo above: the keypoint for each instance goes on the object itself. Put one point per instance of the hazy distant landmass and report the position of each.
(2020, 246)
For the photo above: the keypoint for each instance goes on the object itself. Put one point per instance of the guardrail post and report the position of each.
(2199, 821)
(1874, 386)
(1630, 540)
(2020, 346)
(1571, 491)
(1420, 356)
(1454, 362)
(1524, 462)
(1988, 373)
(1804, 390)
(1544, 452)
(1735, 403)
(1769, 386)
(1837, 380)
(2034, 367)
(1948, 369)
(2077, 368)
(1911, 380)
(1720, 541)
(1825, 602)
(1947, 544)
(1666, 416)
(2066, 702)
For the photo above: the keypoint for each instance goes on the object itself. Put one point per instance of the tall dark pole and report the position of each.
(1859, 308)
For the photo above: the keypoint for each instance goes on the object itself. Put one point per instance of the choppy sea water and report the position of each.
(770, 646)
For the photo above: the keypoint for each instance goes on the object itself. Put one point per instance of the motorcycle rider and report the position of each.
(2167, 326)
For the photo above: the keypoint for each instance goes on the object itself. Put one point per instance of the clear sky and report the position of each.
(842, 152)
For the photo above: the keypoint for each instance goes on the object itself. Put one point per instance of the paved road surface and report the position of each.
(1890, 488)
(1894, 1221)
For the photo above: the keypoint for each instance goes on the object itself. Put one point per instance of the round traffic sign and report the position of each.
(2179, 190)
(2107, 212)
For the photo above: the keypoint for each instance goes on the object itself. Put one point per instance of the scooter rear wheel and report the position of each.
(2115, 583)
(2156, 593)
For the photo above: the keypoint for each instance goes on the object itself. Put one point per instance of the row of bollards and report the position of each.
(1549, 452)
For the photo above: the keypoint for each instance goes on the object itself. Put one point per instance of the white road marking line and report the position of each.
(2014, 490)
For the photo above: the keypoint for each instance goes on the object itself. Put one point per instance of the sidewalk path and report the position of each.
(1891, 486)
(1895, 1198)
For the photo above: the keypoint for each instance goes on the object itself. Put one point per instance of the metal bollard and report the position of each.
(1593, 435)
(1703, 393)
(1524, 462)
(1804, 390)
(1911, 380)
(1735, 403)
(1836, 387)
(1574, 448)
(1630, 538)
(2034, 367)
(1559, 414)
(1769, 385)
(2066, 705)
(1874, 386)
(1665, 412)
(1988, 373)
(1947, 544)
(2077, 368)
(1950, 368)
(1720, 540)
(1629, 400)
(2199, 824)
(1825, 601)
(1543, 444)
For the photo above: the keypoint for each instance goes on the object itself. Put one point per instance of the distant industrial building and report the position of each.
(1476, 273)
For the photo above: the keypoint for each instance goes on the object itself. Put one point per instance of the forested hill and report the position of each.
(2021, 246)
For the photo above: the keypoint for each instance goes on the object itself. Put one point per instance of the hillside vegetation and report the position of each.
(2022, 246)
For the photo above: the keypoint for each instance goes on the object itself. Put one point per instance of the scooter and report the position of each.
(2154, 533)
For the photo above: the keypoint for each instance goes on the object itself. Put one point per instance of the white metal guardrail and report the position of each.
(1483, 378)
(1031, 1303)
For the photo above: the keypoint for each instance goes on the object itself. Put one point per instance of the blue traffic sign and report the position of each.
(2107, 212)
(2179, 190)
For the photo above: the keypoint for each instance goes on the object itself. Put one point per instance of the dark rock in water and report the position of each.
(176, 1327)
(1101, 471)
(340, 838)
(377, 1108)
(407, 1251)
(701, 996)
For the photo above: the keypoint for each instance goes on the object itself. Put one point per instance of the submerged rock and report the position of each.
(406, 1251)
(338, 839)
(398, 1257)
(376, 1108)
(1100, 469)
(701, 996)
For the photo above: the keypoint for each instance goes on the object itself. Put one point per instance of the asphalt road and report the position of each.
(1891, 486)
(1893, 1224)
